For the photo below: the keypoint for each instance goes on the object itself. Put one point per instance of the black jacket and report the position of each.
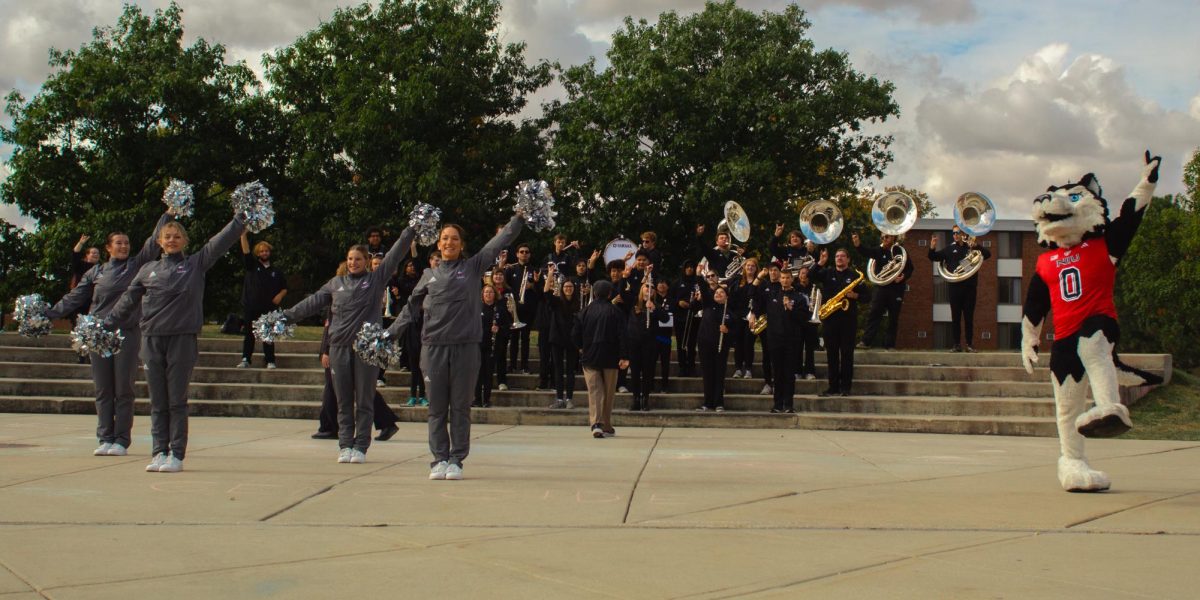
(600, 333)
(952, 255)
(882, 257)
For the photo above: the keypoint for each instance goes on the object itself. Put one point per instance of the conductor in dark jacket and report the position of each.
(600, 333)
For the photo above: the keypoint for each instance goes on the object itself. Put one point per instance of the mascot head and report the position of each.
(1066, 215)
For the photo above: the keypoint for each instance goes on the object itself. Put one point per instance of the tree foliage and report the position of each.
(403, 102)
(1191, 180)
(721, 105)
(121, 116)
(1158, 285)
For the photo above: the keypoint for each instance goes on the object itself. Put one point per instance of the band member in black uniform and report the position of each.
(787, 310)
(562, 306)
(621, 299)
(791, 253)
(685, 307)
(522, 279)
(263, 289)
(806, 354)
(650, 245)
(841, 326)
(662, 333)
(719, 256)
(884, 298)
(644, 317)
(962, 293)
(495, 320)
(504, 299)
(563, 255)
(768, 279)
(714, 343)
(741, 293)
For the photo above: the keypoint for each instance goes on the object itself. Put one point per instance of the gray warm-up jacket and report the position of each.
(104, 283)
(450, 297)
(173, 287)
(355, 299)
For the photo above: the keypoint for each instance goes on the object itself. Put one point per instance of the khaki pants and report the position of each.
(601, 388)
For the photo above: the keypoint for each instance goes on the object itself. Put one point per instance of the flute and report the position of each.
(649, 292)
(721, 338)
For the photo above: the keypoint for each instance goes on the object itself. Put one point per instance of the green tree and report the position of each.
(121, 116)
(1191, 180)
(1158, 285)
(398, 103)
(16, 277)
(721, 105)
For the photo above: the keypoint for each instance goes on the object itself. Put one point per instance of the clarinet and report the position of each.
(721, 337)
(649, 295)
(495, 324)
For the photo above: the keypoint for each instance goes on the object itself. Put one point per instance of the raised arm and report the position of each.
(150, 248)
(487, 255)
(395, 254)
(218, 244)
(1121, 230)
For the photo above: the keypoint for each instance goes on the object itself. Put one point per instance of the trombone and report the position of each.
(975, 215)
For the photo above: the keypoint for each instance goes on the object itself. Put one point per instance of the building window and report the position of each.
(1008, 336)
(1008, 290)
(941, 290)
(1009, 243)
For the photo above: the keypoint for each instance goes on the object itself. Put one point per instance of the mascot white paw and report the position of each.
(1076, 476)
(1108, 420)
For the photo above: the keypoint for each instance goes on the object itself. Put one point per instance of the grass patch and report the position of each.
(1171, 412)
(304, 333)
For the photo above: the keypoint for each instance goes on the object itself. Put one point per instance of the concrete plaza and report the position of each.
(548, 512)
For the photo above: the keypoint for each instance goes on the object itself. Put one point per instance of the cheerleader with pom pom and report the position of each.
(448, 296)
(170, 294)
(354, 299)
(101, 287)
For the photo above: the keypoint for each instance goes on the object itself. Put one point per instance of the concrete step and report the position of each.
(1019, 426)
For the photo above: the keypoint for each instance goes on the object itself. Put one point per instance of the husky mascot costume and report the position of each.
(1075, 279)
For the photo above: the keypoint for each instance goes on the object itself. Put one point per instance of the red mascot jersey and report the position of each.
(1081, 280)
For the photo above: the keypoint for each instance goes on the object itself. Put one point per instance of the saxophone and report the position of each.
(839, 300)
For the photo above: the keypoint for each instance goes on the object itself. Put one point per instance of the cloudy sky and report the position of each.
(1001, 97)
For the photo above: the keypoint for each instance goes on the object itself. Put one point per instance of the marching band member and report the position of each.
(100, 287)
(354, 298)
(620, 299)
(962, 293)
(170, 293)
(714, 342)
(841, 326)
(886, 298)
(644, 317)
(522, 277)
(740, 296)
(494, 319)
(563, 307)
(450, 297)
(719, 256)
(650, 246)
(687, 319)
(263, 290)
(767, 280)
(505, 300)
(789, 255)
(787, 310)
(806, 353)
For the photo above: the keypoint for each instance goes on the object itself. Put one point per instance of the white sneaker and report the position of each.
(766, 391)
(270, 365)
(438, 471)
(244, 364)
(568, 404)
(344, 455)
(737, 374)
(156, 462)
(102, 449)
(503, 387)
(357, 456)
(623, 390)
(453, 471)
(116, 450)
(810, 377)
(171, 465)
(379, 383)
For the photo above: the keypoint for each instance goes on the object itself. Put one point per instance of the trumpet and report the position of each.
(839, 301)
(512, 309)
(893, 214)
(815, 317)
(524, 284)
(975, 214)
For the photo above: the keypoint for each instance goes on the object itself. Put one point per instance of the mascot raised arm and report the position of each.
(1075, 280)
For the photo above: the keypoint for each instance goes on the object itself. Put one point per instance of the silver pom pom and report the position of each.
(179, 199)
(30, 313)
(536, 204)
(253, 201)
(272, 327)
(376, 346)
(424, 219)
(90, 335)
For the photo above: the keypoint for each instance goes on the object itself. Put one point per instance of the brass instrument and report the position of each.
(815, 317)
(821, 221)
(839, 301)
(975, 215)
(512, 309)
(738, 225)
(893, 214)
(524, 284)
(759, 325)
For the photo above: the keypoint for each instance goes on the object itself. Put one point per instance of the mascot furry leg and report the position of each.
(1075, 280)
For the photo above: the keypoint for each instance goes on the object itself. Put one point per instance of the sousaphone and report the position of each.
(975, 215)
(737, 223)
(893, 214)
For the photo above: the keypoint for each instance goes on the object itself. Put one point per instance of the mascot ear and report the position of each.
(1092, 184)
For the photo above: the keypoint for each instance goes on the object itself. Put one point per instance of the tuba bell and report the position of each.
(893, 214)
(975, 215)
(821, 221)
(738, 225)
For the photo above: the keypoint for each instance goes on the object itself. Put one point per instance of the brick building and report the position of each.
(1003, 281)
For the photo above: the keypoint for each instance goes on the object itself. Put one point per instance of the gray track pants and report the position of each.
(354, 386)
(169, 362)
(450, 375)
(114, 377)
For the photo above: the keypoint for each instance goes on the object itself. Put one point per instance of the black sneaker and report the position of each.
(702, 409)
(845, 393)
(324, 435)
(971, 349)
(829, 392)
(720, 409)
(789, 411)
(597, 431)
(957, 348)
(776, 411)
(862, 346)
(387, 433)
